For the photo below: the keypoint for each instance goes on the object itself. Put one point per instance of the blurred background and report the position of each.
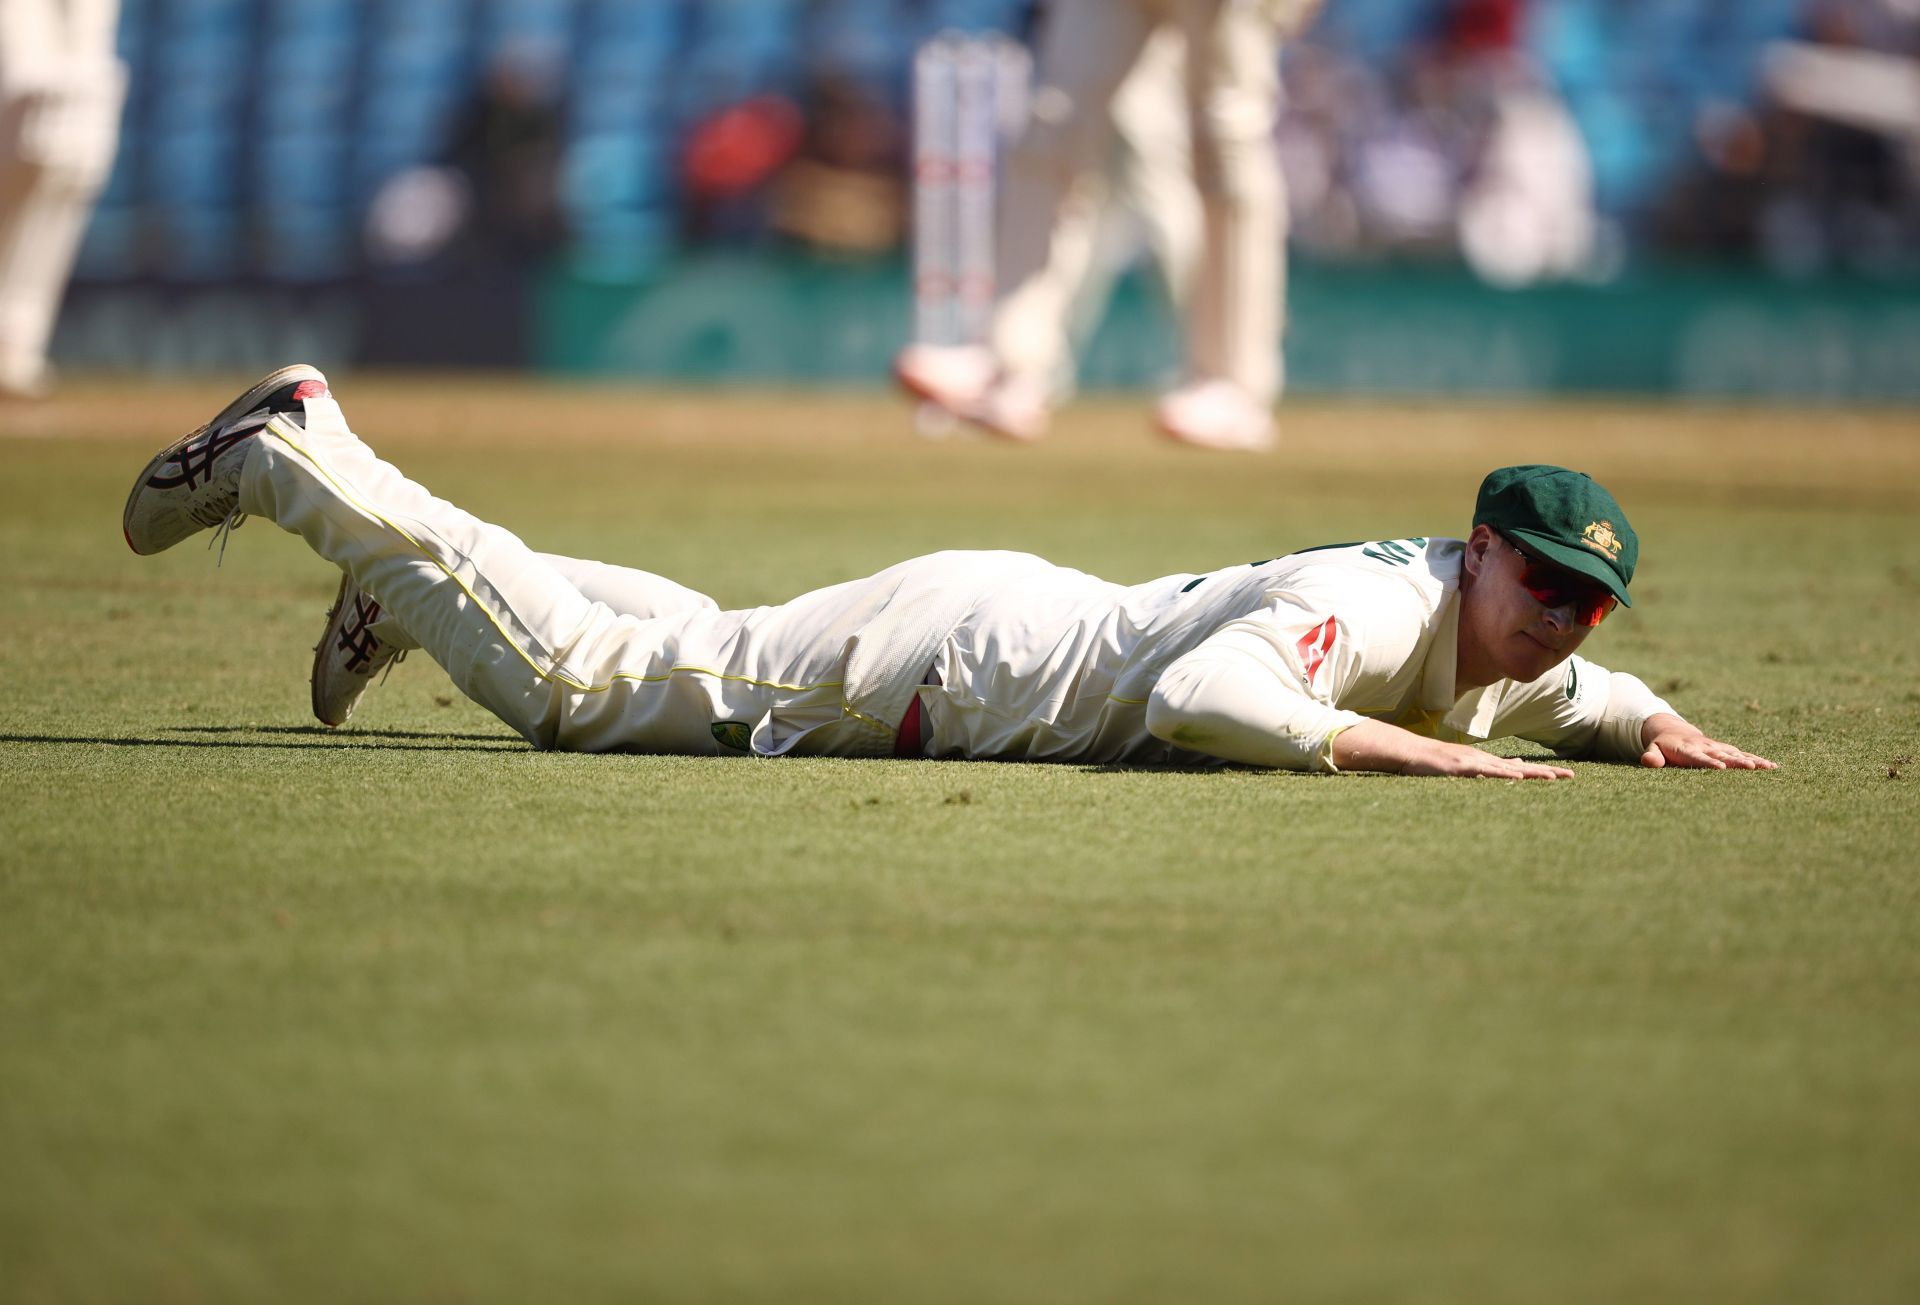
(1687, 197)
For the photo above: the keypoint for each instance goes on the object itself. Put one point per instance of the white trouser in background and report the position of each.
(1143, 187)
(61, 91)
(1088, 49)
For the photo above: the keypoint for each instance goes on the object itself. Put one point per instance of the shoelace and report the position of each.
(235, 519)
(228, 524)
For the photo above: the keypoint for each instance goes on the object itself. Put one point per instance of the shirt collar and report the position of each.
(1436, 679)
(1472, 712)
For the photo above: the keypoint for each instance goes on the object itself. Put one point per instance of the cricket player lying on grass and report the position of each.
(1389, 655)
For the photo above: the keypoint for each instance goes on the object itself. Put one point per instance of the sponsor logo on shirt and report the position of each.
(1395, 552)
(1314, 646)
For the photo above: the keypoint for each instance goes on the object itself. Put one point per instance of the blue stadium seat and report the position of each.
(441, 20)
(618, 196)
(222, 57)
(977, 15)
(1374, 30)
(111, 248)
(397, 117)
(614, 172)
(658, 23)
(305, 86)
(1618, 138)
(867, 40)
(194, 169)
(750, 45)
(301, 242)
(715, 79)
(206, 18)
(286, 56)
(540, 18)
(392, 138)
(616, 98)
(135, 34)
(201, 244)
(313, 20)
(526, 29)
(420, 60)
(307, 168)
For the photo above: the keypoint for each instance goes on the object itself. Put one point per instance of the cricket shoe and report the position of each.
(1013, 409)
(25, 383)
(967, 381)
(951, 376)
(1215, 414)
(194, 483)
(349, 654)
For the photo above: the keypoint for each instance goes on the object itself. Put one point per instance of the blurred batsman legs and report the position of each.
(1154, 175)
(1052, 307)
(1234, 315)
(1230, 279)
(61, 90)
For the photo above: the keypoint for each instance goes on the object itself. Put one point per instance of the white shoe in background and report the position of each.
(951, 376)
(966, 380)
(1215, 414)
(25, 381)
(1014, 409)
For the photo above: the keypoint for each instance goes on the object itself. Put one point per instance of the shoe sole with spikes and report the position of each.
(178, 494)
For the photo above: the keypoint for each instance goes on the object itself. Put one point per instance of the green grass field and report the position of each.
(410, 1012)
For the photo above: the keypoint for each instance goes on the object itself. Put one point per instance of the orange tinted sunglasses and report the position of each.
(1555, 586)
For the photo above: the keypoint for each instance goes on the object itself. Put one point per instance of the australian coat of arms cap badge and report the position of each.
(1600, 538)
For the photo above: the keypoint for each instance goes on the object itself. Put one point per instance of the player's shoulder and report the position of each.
(1383, 583)
(1426, 566)
(1381, 596)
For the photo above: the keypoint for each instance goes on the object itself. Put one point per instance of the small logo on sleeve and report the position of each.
(1600, 538)
(1314, 646)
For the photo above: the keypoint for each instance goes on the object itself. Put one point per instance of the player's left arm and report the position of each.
(1581, 709)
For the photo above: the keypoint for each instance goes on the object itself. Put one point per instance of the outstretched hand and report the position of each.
(1671, 741)
(1463, 762)
(1376, 745)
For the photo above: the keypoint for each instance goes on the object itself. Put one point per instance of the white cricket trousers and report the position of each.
(627, 590)
(1234, 295)
(567, 672)
(61, 90)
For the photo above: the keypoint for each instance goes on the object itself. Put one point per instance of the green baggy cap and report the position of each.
(1565, 517)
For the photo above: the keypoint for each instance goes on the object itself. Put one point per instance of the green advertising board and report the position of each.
(1377, 329)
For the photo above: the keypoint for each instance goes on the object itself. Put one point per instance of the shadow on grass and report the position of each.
(327, 740)
(327, 732)
(1172, 768)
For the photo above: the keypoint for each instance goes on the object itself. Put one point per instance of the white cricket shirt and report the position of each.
(1261, 664)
